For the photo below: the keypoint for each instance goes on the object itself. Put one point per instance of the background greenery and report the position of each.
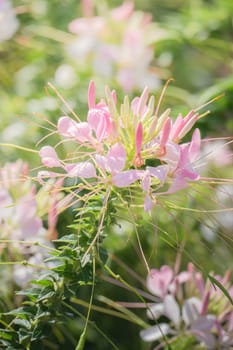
(198, 52)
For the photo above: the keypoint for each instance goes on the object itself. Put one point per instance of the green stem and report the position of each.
(82, 339)
(104, 310)
(71, 308)
(18, 147)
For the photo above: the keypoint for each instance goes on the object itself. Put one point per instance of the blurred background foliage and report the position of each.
(197, 51)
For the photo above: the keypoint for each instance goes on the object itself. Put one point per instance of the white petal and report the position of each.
(155, 332)
(207, 338)
(204, 323)
(191, 310)
(172, 310)
(155, 311)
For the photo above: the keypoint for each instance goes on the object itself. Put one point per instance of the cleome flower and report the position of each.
(116, 43)
(22, 210)
(189, 306)
(120, 147)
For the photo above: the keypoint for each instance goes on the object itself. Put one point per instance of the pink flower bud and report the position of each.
(49, 157)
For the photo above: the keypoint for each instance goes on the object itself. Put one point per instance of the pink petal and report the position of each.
(172, 155)
(87, 8)
(101, 161)
(146, 181)
(85, 26)
(194, 148)
(67, 127)
(126, 178)
(160, 172)
(178, 184)
(134, 105)
(114, 96)
(176, 128)
(158, 281)
(148, 203)
(116, 158)
(84, 170)
(91, 95)
(139, 137)
(203, 323)
(205, 303)
(141, 106)
(188, 121)
(207, 338)
(52, 215)
(99, 120)
(49, 157)
(26, 216)
(165, 132)
(123, 12)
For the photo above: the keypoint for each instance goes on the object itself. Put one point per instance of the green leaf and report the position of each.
(23, 323)
(220, 286)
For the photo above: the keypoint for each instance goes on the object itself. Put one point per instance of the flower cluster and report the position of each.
(8, 21)
(121, 147)
(21, 210)
(190, 306)
(117, 43)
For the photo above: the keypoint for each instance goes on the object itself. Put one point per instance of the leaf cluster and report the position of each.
(40, 322)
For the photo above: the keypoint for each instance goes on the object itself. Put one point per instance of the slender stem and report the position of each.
(18, 147)
(76, 312)
(124, 310)
(119, 278)
(36, 243)
(120, 284)
(24, 263)
(82, 339)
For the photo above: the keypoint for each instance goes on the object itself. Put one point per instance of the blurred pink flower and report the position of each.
(187, 304)
(22, 210)
(126, 55)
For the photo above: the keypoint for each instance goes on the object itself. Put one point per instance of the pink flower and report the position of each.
(125, 56)
(26, 219)
(186, 303)
(119, 144)
(180, 160)
(158, 281)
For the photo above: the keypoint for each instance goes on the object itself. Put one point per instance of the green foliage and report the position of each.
(197, 53)
(183, 343)
(44, 311)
